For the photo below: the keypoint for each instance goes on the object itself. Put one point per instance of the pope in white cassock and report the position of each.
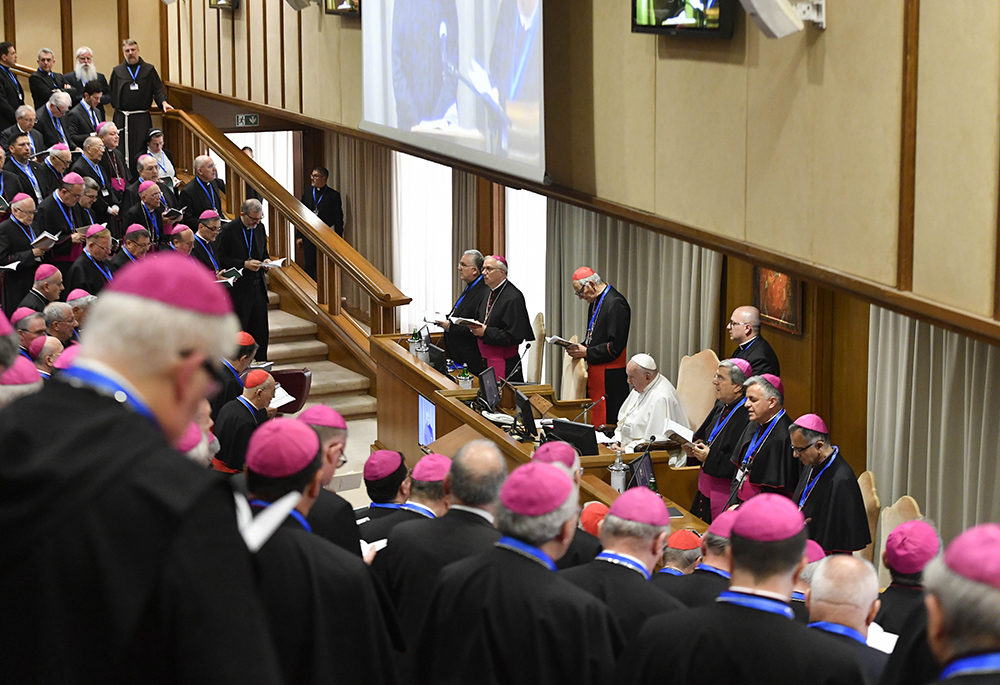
(647, 408)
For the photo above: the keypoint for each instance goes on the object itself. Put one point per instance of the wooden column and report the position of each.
(908, 148)
(9, 27)
(491, 217)
(123, 25)
(66, 22)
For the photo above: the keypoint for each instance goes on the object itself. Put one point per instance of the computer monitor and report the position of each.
(641, 469)
(438, 358)
(488, 390)
(425, 336)
(579, 435)
(427, 418)
(525, 414)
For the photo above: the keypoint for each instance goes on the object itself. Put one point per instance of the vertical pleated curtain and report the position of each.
(934, 420)
(672, 287)
(463, 222)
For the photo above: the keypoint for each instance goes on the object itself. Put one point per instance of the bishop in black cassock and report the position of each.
(332, 518)
(91, 270)
(604, 347)
(237, 421)
(462, 345)
(199, 195)
(15, 246)
(763, 460)
(325, 203)
(238, 243)
(149, 218)
(505, 322)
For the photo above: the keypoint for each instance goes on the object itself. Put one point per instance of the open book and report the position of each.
(10, 267)
(45, 240)
(174, 213)
(464, 321)
(436, 318)
(275, 264)
(231, 274)
(281, 398)
(556, 340)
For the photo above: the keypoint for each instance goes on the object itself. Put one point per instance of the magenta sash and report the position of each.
(716, 490)
(497, 357)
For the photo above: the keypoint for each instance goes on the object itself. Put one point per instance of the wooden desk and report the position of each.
(593, 488)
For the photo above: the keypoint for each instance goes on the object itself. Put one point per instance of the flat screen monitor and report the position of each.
(641, 469)
(579, 435)
(488, 389)
(525, 413)
(438, 358)
(427, 420)
(462, 78)
(425, 337)
(699, 18)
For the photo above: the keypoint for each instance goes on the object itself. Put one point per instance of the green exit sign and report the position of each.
(245, 120)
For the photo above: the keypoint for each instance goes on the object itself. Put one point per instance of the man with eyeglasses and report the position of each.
(24, 123)
(209, 225)
(148, 212)
(11, 92)
(462, 345)
(202, 193)
(828, 493)
(505, 321)
(47, 287)
(49, 119)
(88, 165)
(54, 167)
(59, 321)
(744, 330)
(242, 244)
(148, 170)
(10, 184)
(609, 318)
(21, 165)
(239, 418)
(325, 203)
(59, 215)
(16, 236)
(91, 271)
(158, 529)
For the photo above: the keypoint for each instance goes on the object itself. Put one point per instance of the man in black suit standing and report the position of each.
(202, 193)
(418, 550)
(325, 202)
(242, 244)
(744, 330)
(462, 345)
(82, 121)
(11, 93)
(44, 82)
(85, 72)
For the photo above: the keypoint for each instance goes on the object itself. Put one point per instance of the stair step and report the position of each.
(304, 351)
(331, 379)
(273, 299)
(283, 325)
(348, 406)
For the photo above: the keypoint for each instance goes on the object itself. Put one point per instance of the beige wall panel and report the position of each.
(37, 26)
(823, 131)
(172, 13)
(256, 47)
(351, 71)
(212, 51)
(198, 42)
(274, 36)
(624, 108)
(700, 131)
(240, 48)
(958, 136)
(92, 28)
(226, 53)
(144, 28)
(187, 66)
(291, 58)
(321, 64)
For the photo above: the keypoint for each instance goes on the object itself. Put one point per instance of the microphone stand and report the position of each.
(506, 381)
(589, 407)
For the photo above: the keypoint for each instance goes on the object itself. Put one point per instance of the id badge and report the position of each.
(134, 86)
(739, 475)
(104, 192)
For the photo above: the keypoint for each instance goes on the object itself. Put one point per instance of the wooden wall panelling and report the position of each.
(240, 60)
(165, 52)
(291, 58)
(848, 417)
(123, 24)
(92, 28)
(9, 23)
(275, 38)
(213, 55)
(36, 28)
(351, 70)
(199, 55)
(187, 37)
(66, 36)
(908, 146)
(256, 42)
(227, 55)
(173, 33)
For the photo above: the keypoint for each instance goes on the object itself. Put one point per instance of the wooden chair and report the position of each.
(533, 369)
(574, 377)
(694, 385)
(873, 506)
(905, 509)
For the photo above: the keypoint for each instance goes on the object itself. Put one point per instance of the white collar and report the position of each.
(743, 344)
(651, 384)
(759, 593)
(473, 510)
(499, 285)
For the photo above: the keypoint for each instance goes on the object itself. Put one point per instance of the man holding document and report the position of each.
(503, 321)
(462, 345)
(17, 248)
(649, 408)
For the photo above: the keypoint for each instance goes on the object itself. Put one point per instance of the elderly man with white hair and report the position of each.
(648, 408)
(504, 319)
(92, 271)
(84, 72)
(44, 351)
(48, 120)
(843, 601)
(59, 321)
(202, 193)
(156, 525)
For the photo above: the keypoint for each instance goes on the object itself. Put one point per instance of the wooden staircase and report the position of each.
(293, 345)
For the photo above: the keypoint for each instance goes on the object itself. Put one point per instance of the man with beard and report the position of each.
(135, 85)
(84, 73)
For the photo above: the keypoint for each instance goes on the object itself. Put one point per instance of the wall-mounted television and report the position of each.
(698, 18)
(224, 4)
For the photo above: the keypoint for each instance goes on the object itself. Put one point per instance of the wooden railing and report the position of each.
(191, 135)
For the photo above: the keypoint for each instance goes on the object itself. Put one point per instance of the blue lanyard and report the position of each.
(90, 113)
(618, 559)
(515, 79)
(29, 236)
(671, 571)
(127, 253)
(13, 78)
(97, 170)
(316, 200)
(230, 367)
(51, 76)
(749, 345)
(90, 217)
(247, 238)
(798, 596)
(418, 509)
(109, 387)
(108, 276)
(160, 164)
(250, 407)
(756, 602)
(815, 479)
(720, 423)
(839, 630)
(758, 439)
(208, 249)
(27, 169)
(48, 163)
(593, 318)
(210, 193)
(524, 549)
(466, 292)
(134, 75)
(26, 355)
(62, 208)
(153, 227)
(386, 505)
(712, 569)
(55, 122)
(980, 663)
(293, 513)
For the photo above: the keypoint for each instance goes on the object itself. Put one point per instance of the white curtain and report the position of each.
(272, 150)
(422, 237)
(463, 217)
(672, 287)
(525, 231)
(934, 420)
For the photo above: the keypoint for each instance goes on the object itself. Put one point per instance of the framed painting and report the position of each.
(778, 297)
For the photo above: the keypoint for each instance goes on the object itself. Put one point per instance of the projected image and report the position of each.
(446, 74)
(428, 421)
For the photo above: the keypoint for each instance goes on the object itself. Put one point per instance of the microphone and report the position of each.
(516, 366)
(589, 407)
